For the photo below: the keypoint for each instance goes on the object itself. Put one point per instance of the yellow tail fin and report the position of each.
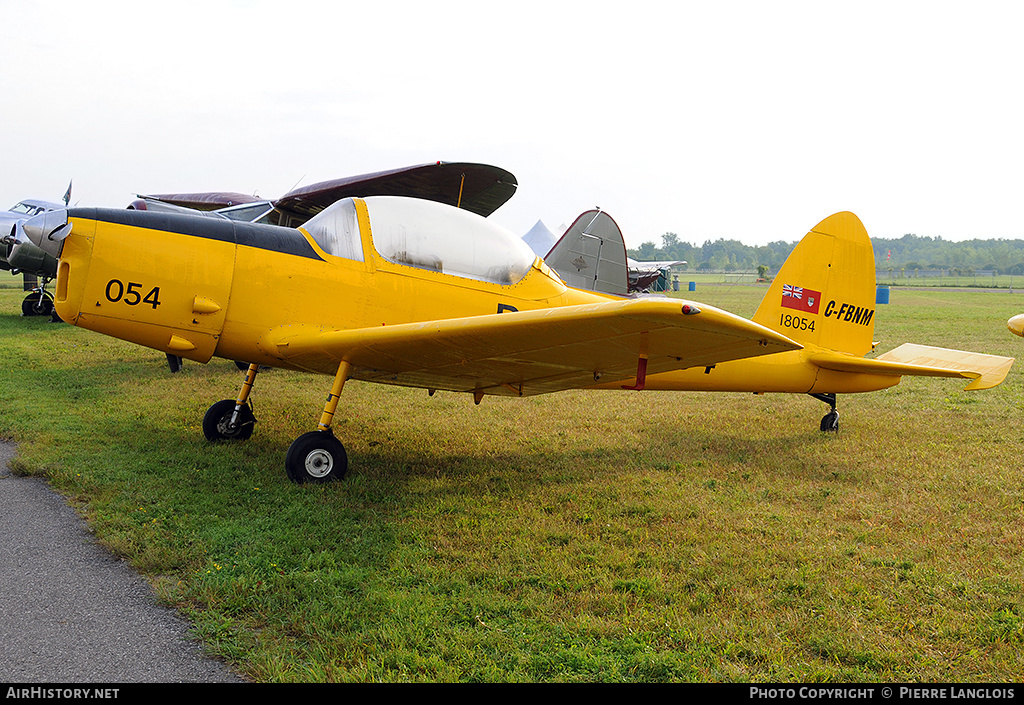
(824, 294)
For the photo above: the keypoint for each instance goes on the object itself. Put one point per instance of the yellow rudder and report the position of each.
(824, 295)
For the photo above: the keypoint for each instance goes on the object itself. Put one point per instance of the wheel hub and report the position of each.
(319, 463)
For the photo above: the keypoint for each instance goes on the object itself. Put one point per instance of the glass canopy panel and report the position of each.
(248, 212)
(441, 238)
(336, 230)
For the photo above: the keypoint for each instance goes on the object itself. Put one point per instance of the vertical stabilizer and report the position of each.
(824, 294)
(591, 255)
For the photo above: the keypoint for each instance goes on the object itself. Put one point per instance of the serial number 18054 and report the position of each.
(799, 322)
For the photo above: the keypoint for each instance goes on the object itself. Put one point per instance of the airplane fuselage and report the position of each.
(199, 288)
(204, 288)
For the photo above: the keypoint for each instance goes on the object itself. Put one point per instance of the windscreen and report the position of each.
(24, 208)
(336, 230)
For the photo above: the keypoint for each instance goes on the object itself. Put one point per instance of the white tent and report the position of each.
(540, 239)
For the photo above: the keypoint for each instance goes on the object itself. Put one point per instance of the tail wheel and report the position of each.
(316, 457)
(830, 422)
(217, 424)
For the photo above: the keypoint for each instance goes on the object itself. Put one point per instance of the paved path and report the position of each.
(70, 612)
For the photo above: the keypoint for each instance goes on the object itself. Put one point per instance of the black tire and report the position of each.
(830, 422)
(218, 417)
(37, 305)
(316, 457)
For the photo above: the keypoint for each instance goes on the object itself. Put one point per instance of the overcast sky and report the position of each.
(745, 120)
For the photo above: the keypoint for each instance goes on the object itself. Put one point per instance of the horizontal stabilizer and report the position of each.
(985, 371)
(990, 370)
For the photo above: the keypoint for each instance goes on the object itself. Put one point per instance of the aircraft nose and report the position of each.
(48, 230)
(24, 256)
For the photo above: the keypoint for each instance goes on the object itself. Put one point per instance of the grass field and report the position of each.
(896, 278)
(581, 536)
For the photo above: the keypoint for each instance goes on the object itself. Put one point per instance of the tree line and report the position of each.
(907, 253)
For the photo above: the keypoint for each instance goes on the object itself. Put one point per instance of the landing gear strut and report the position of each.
(38, 303)
(830, 421)
(318, 456)
(314, 457)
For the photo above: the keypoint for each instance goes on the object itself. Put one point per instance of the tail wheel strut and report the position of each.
(830, 421)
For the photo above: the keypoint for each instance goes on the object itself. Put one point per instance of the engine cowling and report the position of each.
(23, 256)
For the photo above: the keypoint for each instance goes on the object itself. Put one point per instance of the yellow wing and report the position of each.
(531, 352)
(986, 371)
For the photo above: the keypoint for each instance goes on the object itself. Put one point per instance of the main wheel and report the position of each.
(217, 424)
(316, 456)
(830, 422)
(37, 304)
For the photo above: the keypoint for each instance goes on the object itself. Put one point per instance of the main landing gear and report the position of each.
(316, 456)
(38, 303)
(830, 421)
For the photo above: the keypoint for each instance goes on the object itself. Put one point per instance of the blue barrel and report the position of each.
(882, 295)
(693, 286)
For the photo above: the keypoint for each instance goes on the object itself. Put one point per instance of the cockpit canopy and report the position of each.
(30, 208)
(426, 235)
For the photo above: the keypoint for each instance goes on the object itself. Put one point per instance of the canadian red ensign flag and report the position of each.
(800, 299)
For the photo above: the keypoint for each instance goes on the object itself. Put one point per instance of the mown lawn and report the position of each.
(583, 536)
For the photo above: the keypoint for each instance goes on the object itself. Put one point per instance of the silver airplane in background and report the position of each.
(26, 259)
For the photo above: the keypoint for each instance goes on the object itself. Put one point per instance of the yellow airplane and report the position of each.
(386, 289)
(1016, 324)
(416, 293)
